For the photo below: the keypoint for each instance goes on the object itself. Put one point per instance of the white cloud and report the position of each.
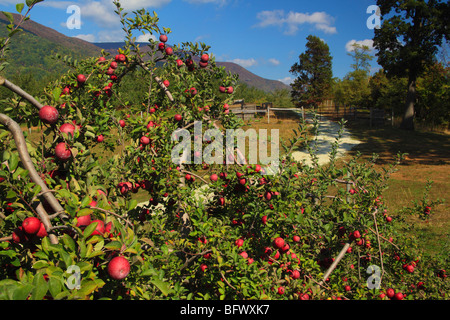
(293, 20)
(287, 80)
(86, 37)
(273, 61)
(145, 37)
(246, 63)
(366, 42)
(101, 12)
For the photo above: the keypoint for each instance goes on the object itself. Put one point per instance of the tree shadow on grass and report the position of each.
(429, 148)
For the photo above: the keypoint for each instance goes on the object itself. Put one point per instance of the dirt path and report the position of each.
(328, 132)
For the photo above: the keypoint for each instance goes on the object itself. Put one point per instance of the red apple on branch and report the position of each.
(62, 151)
(31, 225)
(118, 268)
(48, 114)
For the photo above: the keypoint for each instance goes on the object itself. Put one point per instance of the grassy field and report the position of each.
(428, 159)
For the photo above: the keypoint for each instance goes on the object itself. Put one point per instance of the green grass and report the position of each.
(428, 159)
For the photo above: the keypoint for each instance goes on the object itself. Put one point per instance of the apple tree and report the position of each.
(209, 230)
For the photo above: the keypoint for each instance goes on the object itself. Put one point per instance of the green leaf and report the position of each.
(84, 212)
(161, 285)
(19, 7)
(13, 161)
(22, 292)
(40, 287)
(55, 285)
(69, 242)
(32, 2)
(88, 287)
(90, 229)
(40, 264)
(9, 16)
(113, 245)
(132, 204)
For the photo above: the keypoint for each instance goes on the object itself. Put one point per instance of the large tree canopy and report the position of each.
(408, 40)
(314, 74)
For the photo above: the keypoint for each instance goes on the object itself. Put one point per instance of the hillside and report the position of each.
(34, 49)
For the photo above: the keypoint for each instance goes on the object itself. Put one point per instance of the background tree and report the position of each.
(408, 40)
(353, 89)
(314, 74)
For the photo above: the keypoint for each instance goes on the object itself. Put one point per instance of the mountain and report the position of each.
(245, 76)
(54, 36)
(253, 80)
(33, 50)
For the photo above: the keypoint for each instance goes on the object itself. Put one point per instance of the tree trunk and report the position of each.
(408, 116)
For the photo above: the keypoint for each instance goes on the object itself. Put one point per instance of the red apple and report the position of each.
(144, 140)
(31, 225)
(166, 83)
(281, 290)
(19, 235)
(398, 296)
(295, 274)
(177, 117)
(390, 293)
(179, 62)
(169, 51)
(203, 267)
(278, 243)
(121, 57)
(296, 239)
(118, 268)
(244, 254)
(264, 219)
(83, 221)
(214, 177)
(204, 57)
(67, 128)
(239, 242)
(62, 151)
(163, 38)
(122, 123)
(113, 65)
(42, 232)
(100, 228)
(100, 138)
(81, 78)
(48, 114)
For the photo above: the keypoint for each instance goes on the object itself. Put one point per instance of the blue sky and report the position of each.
(264, 36)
